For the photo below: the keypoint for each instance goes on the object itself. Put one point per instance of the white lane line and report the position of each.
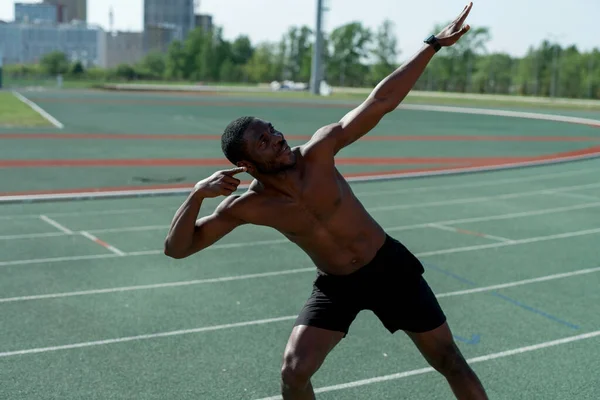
(487, 357)
(391, 229)
(467, 232)
(133, 228)
(467, 200)
(498, 216)
(79, 213)
(491, 182)
(39, 110)
(56, 259)
(286, 272)
(102, 243)
(574, 195)
(502, 113)
(55, 224)
(520, 283)
(512, 243)
(32, 235)
(397, 228)
(494, 182)
(145, 337)
(285, 241)
(157, 286)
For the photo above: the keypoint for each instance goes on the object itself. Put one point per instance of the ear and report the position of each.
(248, 165)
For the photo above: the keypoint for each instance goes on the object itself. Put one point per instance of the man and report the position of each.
(300, 193)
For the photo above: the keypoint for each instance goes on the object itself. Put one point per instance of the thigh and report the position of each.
(438, 347)
(308, 346)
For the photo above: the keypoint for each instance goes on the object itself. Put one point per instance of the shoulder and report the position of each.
(323, 142)
(240, 207)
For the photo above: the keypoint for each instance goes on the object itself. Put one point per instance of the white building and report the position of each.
(27, 43)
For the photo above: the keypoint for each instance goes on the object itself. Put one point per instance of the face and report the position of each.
(267, 149)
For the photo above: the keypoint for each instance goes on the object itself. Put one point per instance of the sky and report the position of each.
(515, 25)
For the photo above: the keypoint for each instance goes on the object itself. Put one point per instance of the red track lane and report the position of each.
(218, 162)
(367, 138)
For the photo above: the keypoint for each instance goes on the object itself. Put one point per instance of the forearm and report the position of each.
(181, 234)
(394, 88)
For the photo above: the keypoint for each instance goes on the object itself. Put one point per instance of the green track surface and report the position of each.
(59, 288)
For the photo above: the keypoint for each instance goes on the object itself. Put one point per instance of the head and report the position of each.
(256, 144)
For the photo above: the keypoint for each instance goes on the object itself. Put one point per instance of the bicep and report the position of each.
(363, 118)
(353, 125)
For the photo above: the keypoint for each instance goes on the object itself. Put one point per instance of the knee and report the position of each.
(451, 363)
(297, 369)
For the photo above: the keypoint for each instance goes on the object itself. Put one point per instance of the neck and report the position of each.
(285, 182)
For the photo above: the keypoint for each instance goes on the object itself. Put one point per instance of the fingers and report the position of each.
(228, 188)
(230, 180)
(465, 13)
(234, 171)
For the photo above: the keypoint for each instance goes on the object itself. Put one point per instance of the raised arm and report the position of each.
(189, 235)
(390, 92)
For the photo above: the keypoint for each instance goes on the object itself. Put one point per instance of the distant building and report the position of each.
(28, 43)
(159, 37)
(205, 22)
(123, 48)
(173, 18)
(73, 10)
(38, 13)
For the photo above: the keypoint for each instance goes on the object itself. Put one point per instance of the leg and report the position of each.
(304, 354)
(440, 350)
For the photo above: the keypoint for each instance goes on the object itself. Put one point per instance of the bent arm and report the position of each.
(188, 235)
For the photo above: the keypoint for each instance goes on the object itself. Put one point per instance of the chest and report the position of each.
(319, 204)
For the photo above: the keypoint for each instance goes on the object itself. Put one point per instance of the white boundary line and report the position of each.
(400, 206)
(487, 357)
(465, 232)
(466, 200)
(285, 241)
(157, 286)
(574, 195)
(39, 110)
(78, 213)
(501, 113)
(55, 224)
(520, 283)
(102, 243)
(143, 337)
(494, 182)
(283, 273)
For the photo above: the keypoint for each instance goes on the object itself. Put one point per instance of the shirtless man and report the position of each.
(300, 193)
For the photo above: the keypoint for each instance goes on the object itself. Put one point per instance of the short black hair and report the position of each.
(232, 140)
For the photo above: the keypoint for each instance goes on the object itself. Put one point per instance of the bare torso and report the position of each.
(322, 216)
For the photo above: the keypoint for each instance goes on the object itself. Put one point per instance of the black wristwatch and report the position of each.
(432, 41)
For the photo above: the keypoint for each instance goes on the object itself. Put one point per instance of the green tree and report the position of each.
(349, 51)
(241, 50)
(260, 67)
(385, 53)
(176, 61)
(55, 63)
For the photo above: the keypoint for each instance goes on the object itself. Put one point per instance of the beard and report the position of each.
(274, 167)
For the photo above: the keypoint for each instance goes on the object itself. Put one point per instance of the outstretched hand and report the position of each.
(453, 32)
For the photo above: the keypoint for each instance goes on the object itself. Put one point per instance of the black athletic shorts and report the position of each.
(391, 286)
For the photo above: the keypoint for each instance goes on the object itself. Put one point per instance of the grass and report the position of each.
(15, 113)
